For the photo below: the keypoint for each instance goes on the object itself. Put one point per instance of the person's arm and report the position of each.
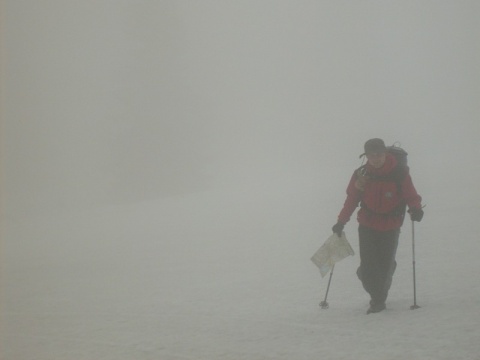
(351, 202)
(412, 198)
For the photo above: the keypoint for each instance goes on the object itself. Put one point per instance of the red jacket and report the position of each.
(381, 197)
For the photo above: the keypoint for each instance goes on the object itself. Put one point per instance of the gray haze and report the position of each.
(120, 101)
(114, 104)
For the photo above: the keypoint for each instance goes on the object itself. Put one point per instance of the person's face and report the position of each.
(376, 159)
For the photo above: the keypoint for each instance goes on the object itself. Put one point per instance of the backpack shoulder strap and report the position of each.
(362, 170)
(397, 175)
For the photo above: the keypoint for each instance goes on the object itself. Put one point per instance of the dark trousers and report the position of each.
(377, 261)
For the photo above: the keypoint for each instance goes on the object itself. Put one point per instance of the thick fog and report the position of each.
(120, 101)
(115, 114)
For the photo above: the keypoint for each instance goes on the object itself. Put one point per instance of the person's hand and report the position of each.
(338, 228)
(416, 214)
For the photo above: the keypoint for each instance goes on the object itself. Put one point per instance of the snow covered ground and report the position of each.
(226, 275)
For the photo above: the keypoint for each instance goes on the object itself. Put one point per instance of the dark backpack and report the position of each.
(400, 154)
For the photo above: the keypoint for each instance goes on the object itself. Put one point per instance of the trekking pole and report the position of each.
(414, 306)
(324, 303)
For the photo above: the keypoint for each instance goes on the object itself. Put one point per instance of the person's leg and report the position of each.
(377, 263)
(368, 262)
(387, 249)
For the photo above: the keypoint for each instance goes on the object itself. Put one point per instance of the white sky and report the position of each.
(107, 101)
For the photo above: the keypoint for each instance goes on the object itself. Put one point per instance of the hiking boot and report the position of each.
(375, 307)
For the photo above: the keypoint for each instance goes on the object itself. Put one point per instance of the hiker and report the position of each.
(383, 188)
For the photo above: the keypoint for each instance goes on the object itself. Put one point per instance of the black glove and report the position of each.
(338, 228)
(416, 214)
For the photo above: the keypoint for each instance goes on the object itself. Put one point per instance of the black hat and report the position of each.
(374, 146)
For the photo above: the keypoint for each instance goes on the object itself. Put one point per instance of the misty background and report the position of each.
(123, 101)
(128, 126)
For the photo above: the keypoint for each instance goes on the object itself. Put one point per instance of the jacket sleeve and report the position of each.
(353, 198)
(409, 193)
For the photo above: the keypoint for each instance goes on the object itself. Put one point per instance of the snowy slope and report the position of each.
(227, 275)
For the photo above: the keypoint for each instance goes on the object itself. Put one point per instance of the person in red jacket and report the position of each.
(383, 188)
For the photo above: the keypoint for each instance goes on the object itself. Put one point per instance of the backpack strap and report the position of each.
(397, 175)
